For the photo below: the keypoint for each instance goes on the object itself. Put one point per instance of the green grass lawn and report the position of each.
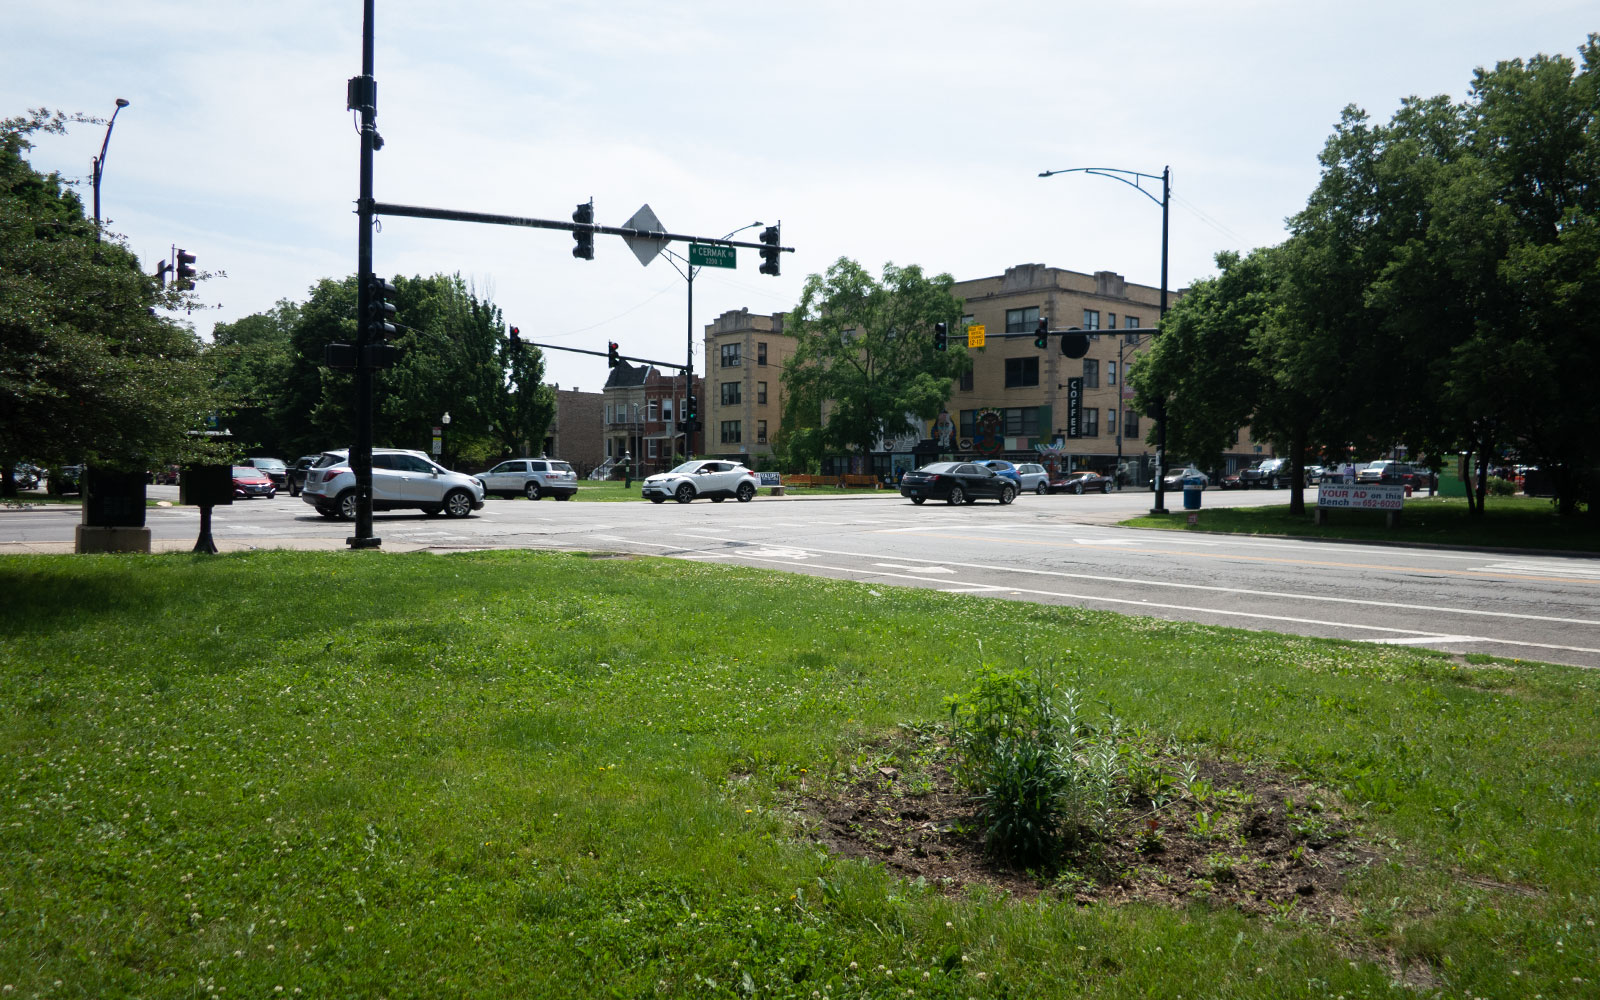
(549, 775)
(1509, 522)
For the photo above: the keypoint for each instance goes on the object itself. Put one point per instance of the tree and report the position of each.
(864, 353)
(252, 359)
(88, 370)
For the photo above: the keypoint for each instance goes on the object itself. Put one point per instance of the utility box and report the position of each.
(113, 499)
(206, 485)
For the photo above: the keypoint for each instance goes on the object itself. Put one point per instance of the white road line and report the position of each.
(1208, 588)
(1426, 640)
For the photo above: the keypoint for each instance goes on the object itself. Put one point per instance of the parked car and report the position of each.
(1267, 474)
(26, 476)
(1004, 468)
(534, 478)
(64, 479)
(715, 479)
(273, 468)
(956, 482)
(1082, 482)
(1395, 473)
(164, 475)
(1034, 477)
(297, 473)
(400, 479)
(1314, 474)
(249, 481)
(1232, 481)
(1174, 480)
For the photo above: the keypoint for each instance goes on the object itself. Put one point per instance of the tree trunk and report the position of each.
(1485, 449)
(1297, 472)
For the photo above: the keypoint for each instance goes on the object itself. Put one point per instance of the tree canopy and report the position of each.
(866, 347)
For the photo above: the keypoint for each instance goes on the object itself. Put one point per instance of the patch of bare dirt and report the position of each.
(1238, 836)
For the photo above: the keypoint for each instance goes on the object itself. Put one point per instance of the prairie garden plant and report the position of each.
(515, 774)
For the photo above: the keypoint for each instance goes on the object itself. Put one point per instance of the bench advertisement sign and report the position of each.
(1361, 497)
(770, 478)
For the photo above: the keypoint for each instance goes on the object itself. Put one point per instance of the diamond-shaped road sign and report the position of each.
(644, 248)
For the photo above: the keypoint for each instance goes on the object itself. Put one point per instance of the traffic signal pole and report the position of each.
(363, 93)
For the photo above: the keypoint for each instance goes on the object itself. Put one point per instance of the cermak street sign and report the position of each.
(702, 255)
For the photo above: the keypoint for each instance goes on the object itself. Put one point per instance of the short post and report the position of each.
(205, 486)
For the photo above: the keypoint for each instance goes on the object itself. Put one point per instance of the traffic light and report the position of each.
(515, 333)
(1074, 343)
(941, 336)
(185, 271)
(380, 310)
(691, 410)
(584, 216)
(612, 358)
(1041, 336)
(769, 253)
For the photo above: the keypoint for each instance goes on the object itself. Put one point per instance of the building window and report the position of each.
(666, 410)
(1111, 423)
(1022, 320)
(761, 432)
(730, 393)
(1111, 321)
(610, 413)
(966, 380)
(1091, 423)
(730, 432)
(1130, 423)
(1111, 373)
(1132, 321)
(966, 321)
(730, 355)
(655, 410)
(761, 353)
(650, 448)
(761, 392)
(1022, 372)
(1091, 373)
(1091, 319)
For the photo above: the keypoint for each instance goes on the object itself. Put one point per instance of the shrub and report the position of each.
(1501, 487)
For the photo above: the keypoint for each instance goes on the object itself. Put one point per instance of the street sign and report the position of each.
(703, 255)
(643, 248)
(1074, 407)
(975, 332)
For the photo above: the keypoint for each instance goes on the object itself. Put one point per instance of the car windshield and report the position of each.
(689, 467)
(939, 467)
(267, 463)
(245, 472)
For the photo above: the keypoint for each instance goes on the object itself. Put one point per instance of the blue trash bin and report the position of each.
(1191, 492)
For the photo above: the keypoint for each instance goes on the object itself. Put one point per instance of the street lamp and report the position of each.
(689, 271)
(1165, 202)
(444, 421)
(99, 165)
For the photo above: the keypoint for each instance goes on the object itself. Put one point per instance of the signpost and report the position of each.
(975, 333)
(701, 255)
(1389, 499)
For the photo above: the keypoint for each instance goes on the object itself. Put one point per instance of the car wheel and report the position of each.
(1041, 489)
(458, 503)
(1105, 487)
(531, 489)
(1007, 495)
(956, 496)
(345, 506)
(658, 499)
(684, 494)
(1078, 489)
(919, 501)
(746, 492)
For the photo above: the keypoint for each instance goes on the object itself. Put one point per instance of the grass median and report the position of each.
(531, 774)
(1508, 522)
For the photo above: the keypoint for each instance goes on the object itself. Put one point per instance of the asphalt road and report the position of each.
(1053, 550)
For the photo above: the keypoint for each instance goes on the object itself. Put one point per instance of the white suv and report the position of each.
(702, 478)
(534, 478)
(400, 479)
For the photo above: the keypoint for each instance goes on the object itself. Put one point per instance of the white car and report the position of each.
(712, 478)
(534, 478)
(1034, 477)
(400, 479)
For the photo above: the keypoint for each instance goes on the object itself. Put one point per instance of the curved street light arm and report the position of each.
(1115, 174)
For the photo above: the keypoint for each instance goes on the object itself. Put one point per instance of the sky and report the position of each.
(878, 130)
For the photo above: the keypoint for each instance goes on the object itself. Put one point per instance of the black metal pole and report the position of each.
(361, 451)
(1161, 404)
(99, 165)
(688, 370)
(205, 543)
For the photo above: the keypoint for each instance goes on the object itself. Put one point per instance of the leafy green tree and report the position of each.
(866, 348)
(88, 370)
(252, 359)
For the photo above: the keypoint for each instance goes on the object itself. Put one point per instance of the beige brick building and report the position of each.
(744, 361)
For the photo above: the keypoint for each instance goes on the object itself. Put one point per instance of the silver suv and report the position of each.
(534, 478)
(400, 479)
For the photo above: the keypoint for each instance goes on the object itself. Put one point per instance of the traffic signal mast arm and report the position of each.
(453, 215)
(607, 355)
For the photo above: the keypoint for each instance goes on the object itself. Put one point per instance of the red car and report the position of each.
(249, 482)
(1081, 482)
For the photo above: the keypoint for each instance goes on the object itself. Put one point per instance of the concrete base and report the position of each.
(88, 538)
(777, 491)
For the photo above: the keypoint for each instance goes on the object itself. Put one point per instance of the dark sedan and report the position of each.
(956, 482)
(1081, 482)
